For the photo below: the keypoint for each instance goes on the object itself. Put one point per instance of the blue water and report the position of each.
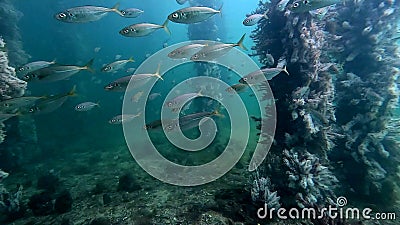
(89, 155)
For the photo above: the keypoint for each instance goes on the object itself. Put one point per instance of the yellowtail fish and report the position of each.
(253, 19)
(50, 103)
(124, 118)
(178, 102)
(32, 66)
(138, 80)
(185, 52)
(131, 12)
(189, 121)
(191, 15)
(301, 6)
(84, 14)
(56, 72)
(211, 52)
(86, 106)
(237, 88)
(114, 66)
(143, 29)
(12, 104)
(260, 75)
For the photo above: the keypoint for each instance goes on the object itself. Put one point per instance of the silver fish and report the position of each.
(181, 2)
(86, 106)
(123, 118)
(12, 104)
(301, 6)
(178, 101)
(143, 29)
(84, 14)
(211, 52)
(50, 103)
(138, 80)
(319, 13)
(253, 19)
(258, 76)
(56, 73)
(185, 52)
(237, 88)
(131, 12)
(191, 15)
(189, 121)
(281, 6)
(154, 96)
(114, 66)
(32, 66)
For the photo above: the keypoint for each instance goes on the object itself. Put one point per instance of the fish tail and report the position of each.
(131, 59)
(165, 26)
(72, 92)
(240, 43)
(116, 10)
(220, 9)
(54, 61)
(98, 103)
(88, 66)
(285, 70)
(157, 74)
(217, 113)
(265, 14)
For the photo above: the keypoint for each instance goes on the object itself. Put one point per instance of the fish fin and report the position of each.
(115, 9)
(165, 26)
(265, 14)
(89, 65)
(157, 74)
(54, 61)
(98, 103)
(240, 43)
(131, 59)
(284, 69)
(217, 113)
(220, 9)
(72, 92)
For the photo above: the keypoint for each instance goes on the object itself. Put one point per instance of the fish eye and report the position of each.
(31, 110)
(107, 68)
(113, 121)
(116, 84)
(123, 12)
(27, 77)
(295, 5)
(126, 31)
(305, 1)
(175, 15)
(169, 104)
(245, 78)
(247, 21)
(21, 69)
(6, 105)
(169, 127)
(61, 15)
